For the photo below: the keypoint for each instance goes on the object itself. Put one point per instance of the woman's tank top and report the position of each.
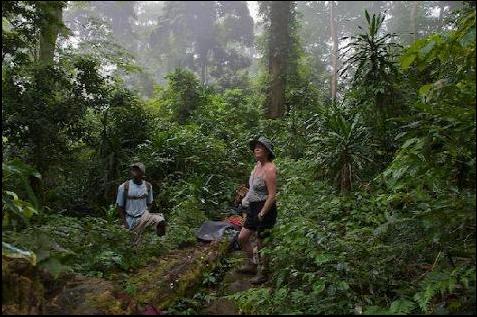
(257, 189)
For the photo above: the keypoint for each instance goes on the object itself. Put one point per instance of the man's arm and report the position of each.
(149, 199)
(122, 215)
(120, 207)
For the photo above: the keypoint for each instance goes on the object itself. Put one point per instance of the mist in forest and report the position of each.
(365, 112)
(223, 42)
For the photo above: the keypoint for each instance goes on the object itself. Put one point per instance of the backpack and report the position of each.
(126, 192)
(240, 193)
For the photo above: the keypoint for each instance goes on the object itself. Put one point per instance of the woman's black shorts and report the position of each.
(268, 221)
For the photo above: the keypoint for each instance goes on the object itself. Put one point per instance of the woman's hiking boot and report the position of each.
(262, 274)
(260, 278)
(249, 267)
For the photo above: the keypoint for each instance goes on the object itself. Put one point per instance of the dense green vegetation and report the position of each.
(376, 189)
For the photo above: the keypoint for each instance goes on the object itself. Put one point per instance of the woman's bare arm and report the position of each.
(270, 178)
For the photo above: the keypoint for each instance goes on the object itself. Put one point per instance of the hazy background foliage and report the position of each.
(370, 105)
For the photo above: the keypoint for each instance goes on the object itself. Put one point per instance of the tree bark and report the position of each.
(345, 181)
(413, 20)
(50, 28)
(278, 56)
(334, 52)
(206, 81)
(441, 15)
(203, 72)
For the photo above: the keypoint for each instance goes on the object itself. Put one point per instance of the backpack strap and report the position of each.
(148, 187)
(126, 193)
(126, 190)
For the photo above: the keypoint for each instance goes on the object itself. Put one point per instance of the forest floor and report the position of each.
(194, 279)
(231, 283)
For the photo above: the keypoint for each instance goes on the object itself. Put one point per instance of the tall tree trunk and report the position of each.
(40, 162)
(206, 82)
(278, 55)
(441, 14)
(50, 26)
(334, 52)
(413, 20)
(345, 180)
(203, 65)
(202, 72)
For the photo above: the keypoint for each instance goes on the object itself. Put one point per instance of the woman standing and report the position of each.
(262, 209)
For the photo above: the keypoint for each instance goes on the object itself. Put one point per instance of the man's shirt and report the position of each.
(134, 207)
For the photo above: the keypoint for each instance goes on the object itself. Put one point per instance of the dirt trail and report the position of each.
(160, 283)
(227, 282)
(152, 289)
(231, 283)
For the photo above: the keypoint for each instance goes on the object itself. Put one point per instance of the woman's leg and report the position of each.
(263, 265)
(261, 257)
(244, 241)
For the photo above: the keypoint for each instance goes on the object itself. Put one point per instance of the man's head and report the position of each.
(137, 170)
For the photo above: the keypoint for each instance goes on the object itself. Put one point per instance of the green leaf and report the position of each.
(11, 251)
(14, 195)
(323, 258)
(426, 49)
(319, 286)
(54, 266)
(375, 310)
(402, 306)
(407, 59)
(343, 286)
(409, 142)
(424, 90)
(468, 38)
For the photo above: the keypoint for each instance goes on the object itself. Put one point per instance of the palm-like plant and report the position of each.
(345, 145)
(373, 59)
(373, 54)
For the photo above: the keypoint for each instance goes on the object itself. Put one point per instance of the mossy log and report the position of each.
(177, 275)
(27, 290)
(22, 289)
